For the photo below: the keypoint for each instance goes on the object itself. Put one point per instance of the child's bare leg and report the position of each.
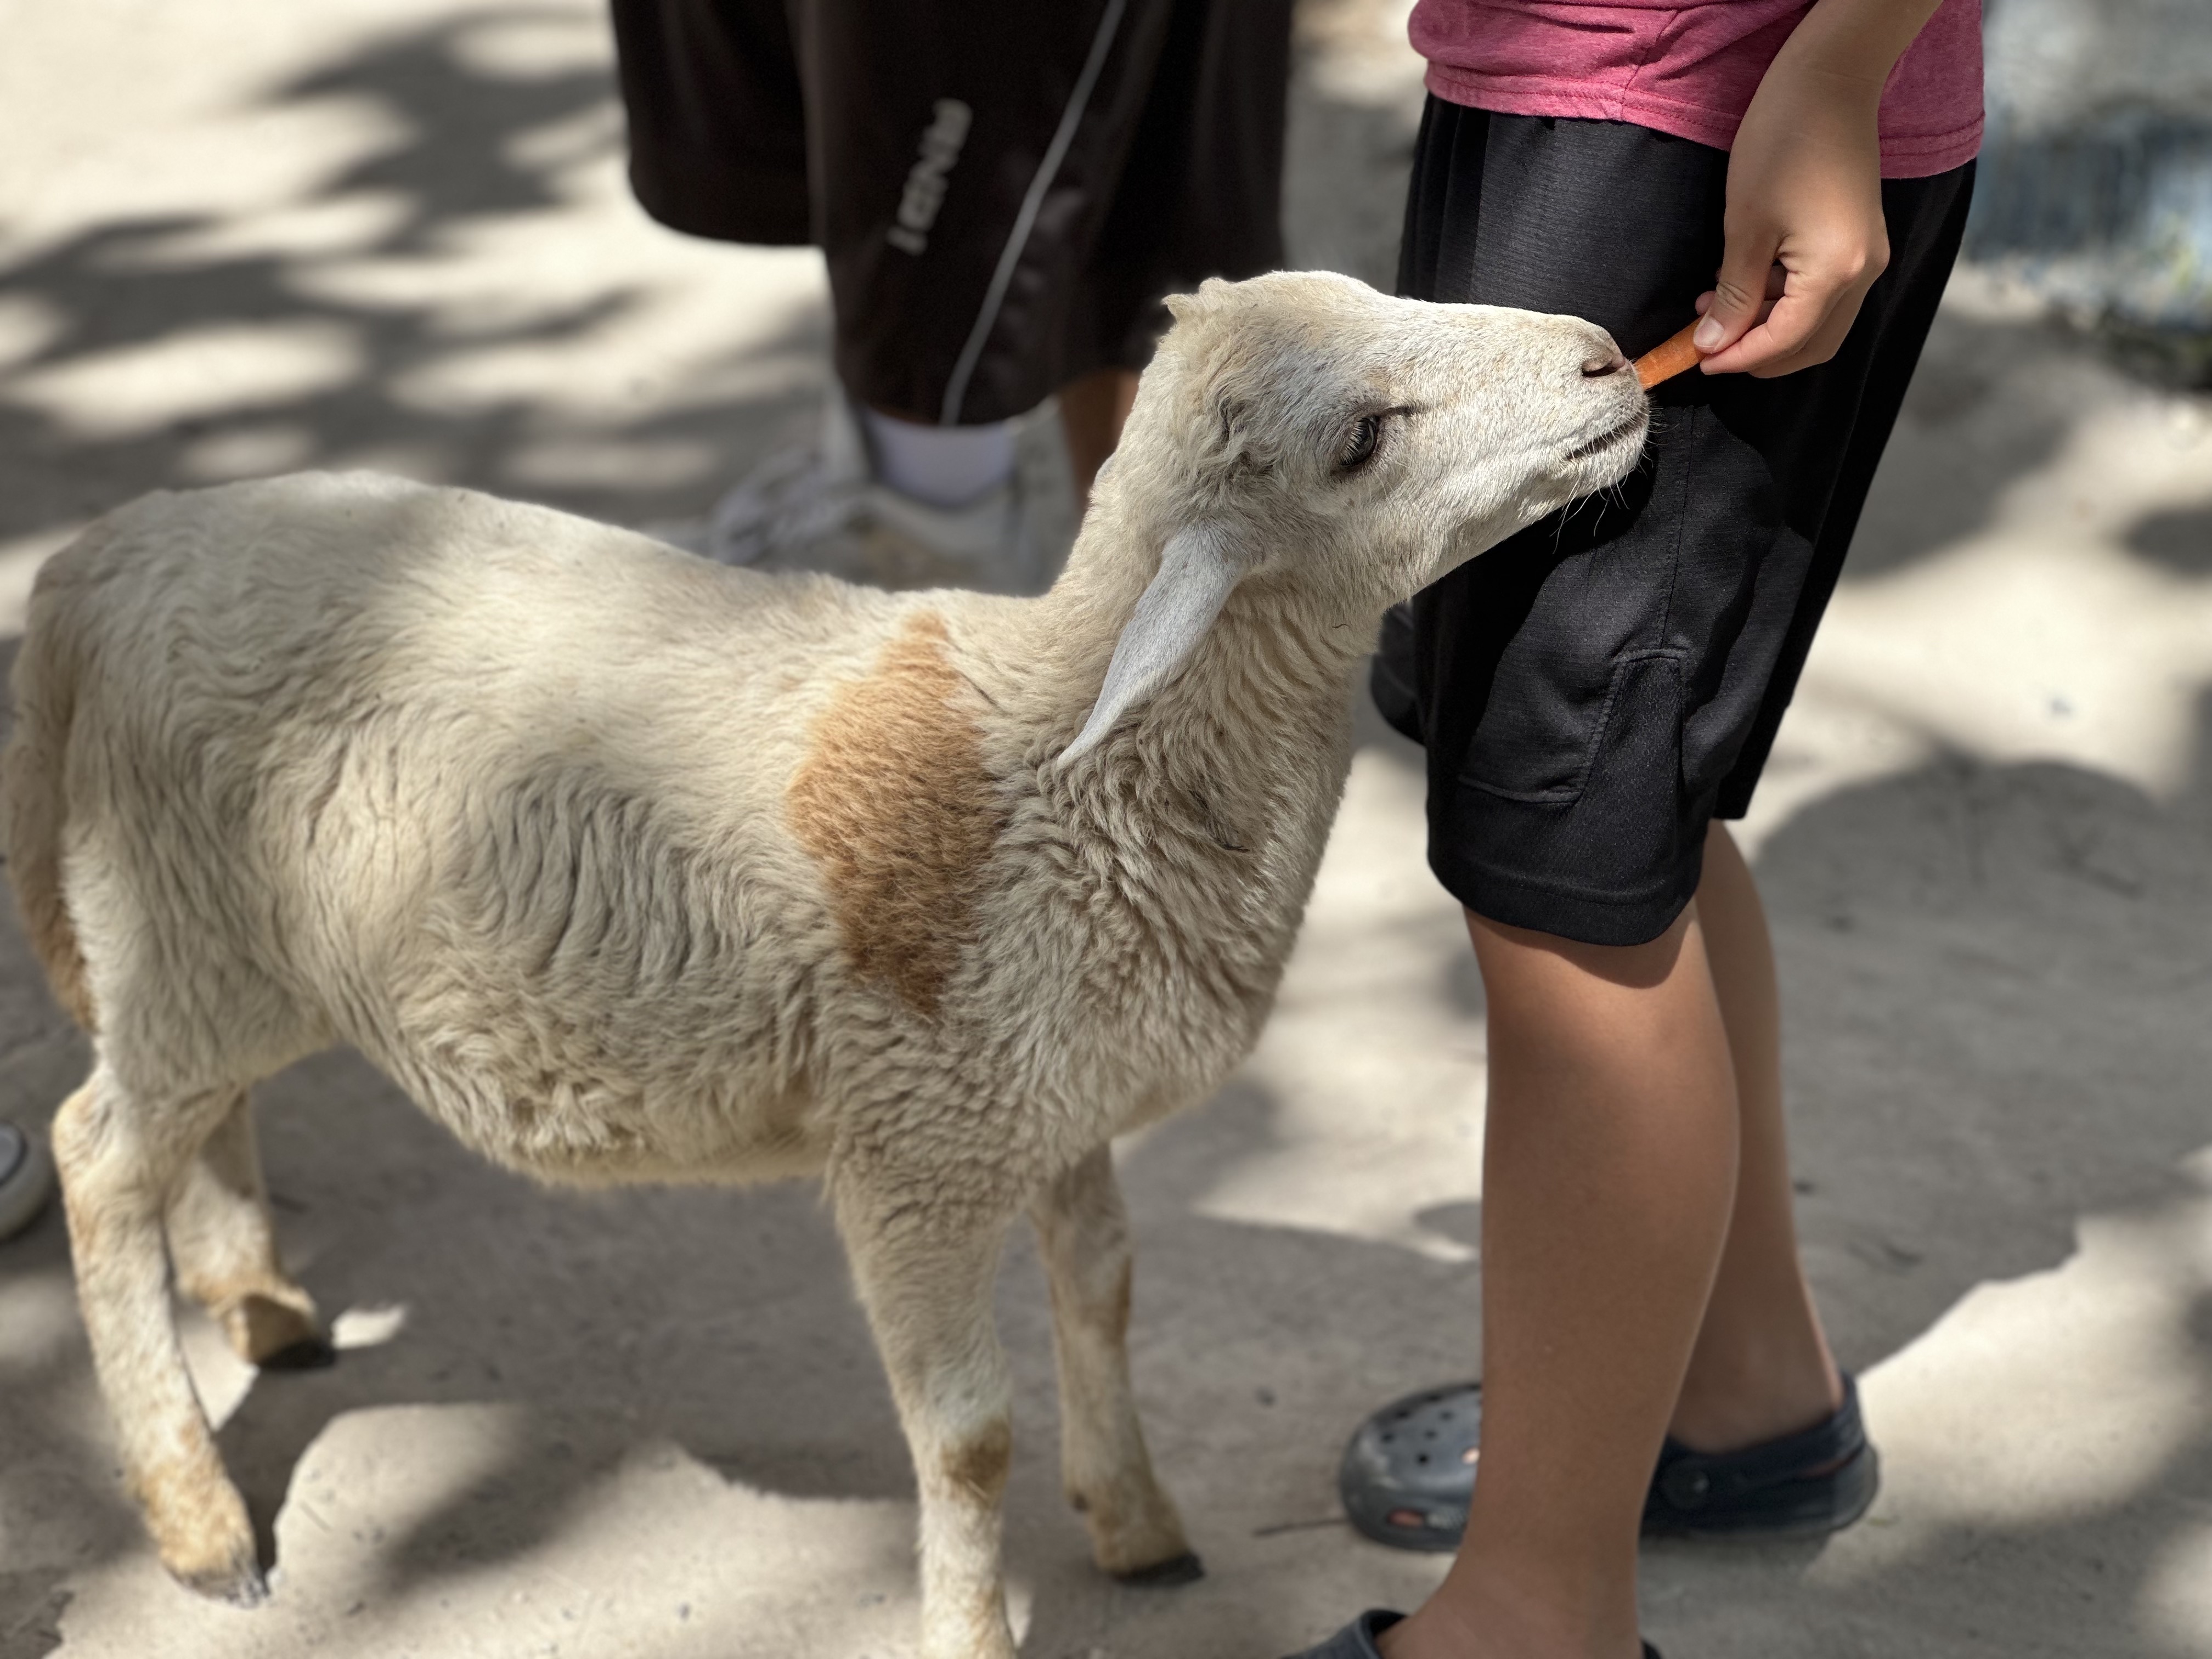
(1091, 410)
(1761, 1368)
(1608, 1177)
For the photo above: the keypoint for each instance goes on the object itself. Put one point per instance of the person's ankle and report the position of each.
(1430, 1632)
(1754, 1404)
(1457, 1623)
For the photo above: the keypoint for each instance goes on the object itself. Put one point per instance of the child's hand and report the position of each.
(1805, 233)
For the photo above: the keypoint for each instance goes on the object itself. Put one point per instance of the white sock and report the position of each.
(942, 465)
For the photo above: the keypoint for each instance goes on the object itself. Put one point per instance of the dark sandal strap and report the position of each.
(1776, 1474)
(1833, 1440)
(1357, 1639)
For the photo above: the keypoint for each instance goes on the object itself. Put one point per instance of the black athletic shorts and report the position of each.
(1593, 692)
(1003, 189)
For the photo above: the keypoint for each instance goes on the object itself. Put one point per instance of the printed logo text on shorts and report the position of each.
(925, 181)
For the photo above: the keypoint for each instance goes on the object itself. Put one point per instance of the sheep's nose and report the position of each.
(1596, 368)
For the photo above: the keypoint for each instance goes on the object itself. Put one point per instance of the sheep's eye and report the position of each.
(1359, 446)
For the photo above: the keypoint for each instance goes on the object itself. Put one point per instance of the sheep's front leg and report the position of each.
(1135, 1534)
(224, 1247)
(925, 1281)
(120, 1156)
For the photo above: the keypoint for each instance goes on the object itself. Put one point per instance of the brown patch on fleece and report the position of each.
(978, 1468)
(894, 805)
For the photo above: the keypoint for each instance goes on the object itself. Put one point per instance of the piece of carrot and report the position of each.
(1668, 358)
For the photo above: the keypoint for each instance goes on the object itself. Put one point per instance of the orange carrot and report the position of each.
(1668, 359)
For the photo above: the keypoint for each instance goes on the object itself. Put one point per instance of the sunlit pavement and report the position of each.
(246, 236)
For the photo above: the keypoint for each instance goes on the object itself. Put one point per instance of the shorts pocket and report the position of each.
(1540, 739)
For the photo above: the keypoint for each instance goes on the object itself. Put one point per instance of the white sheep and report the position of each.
(631, 868)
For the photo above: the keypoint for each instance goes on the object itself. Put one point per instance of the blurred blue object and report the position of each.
(2095, 185)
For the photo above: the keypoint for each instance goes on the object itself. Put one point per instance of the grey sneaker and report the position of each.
(802, 493)
(27, 1180)
(816, 506)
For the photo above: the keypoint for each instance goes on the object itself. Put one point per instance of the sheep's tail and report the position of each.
(36, 803)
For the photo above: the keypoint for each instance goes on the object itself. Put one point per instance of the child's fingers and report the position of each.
(1678, 354)
(1786, 331)
(1733, 310)
(1801, 328)
(1777, 280)
(1766, 306)
(1827, 341)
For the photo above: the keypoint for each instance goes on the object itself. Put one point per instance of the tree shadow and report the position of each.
(2179, 541)
(1991, 404)
(1995, 977)
(460, 159)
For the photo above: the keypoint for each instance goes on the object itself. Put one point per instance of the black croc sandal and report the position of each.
(1357, 1639)
(1818, 1480)
(1409, 1470)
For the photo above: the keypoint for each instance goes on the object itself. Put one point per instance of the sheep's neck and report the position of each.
(1248, 744)
(1252, 731)
(1264, 685)
(1265, 643)
(1192, 835)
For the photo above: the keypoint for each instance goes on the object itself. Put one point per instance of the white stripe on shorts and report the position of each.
(956, 389)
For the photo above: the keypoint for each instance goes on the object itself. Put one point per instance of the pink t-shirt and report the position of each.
(1690, 69)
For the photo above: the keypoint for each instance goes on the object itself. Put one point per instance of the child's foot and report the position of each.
(818, 505)
(1409, 1472)
(1360, 1639)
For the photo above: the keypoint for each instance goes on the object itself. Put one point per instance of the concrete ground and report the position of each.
(246, 235)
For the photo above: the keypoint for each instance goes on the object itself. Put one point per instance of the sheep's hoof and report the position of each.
(1184, 1569)
(239, 1583)
(309, 1353)
(276, 1334)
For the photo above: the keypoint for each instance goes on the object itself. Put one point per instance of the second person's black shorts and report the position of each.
(1003, 190)
(1595, 691)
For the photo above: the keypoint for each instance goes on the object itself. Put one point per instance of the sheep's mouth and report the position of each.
(1633, 426)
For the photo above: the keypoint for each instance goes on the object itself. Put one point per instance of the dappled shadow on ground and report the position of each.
(1996, 979)
(2179, 541)
(300, 337)
(1989, 406)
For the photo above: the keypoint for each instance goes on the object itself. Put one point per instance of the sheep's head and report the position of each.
(1302, 431)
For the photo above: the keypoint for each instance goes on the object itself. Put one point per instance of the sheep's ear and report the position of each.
(1181, 305)
(1197, 570)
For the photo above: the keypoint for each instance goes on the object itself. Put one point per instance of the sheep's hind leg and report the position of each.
(224, 1246)
(1135, 1534)
(925, 1281)
(120, 1155)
